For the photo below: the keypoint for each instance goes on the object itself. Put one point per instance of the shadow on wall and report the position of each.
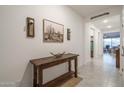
(27, 77)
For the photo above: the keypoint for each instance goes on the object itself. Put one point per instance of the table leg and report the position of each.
(69, 66)
(35, 77)
(76, 67)
(40, 77)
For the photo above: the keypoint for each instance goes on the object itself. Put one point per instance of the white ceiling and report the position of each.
(113, 21)
(87, 10)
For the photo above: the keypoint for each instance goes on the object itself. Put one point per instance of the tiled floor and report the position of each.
(101, 73)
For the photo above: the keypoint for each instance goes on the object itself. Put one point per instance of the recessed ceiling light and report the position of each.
(109, 26)
(105, 21)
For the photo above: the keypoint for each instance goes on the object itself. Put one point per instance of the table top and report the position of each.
(46, 60)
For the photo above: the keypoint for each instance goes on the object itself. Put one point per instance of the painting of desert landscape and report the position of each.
(53, 32)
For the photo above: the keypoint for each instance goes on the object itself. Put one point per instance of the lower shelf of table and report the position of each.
(59, 80)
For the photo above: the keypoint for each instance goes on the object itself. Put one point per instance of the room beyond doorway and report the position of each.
(111, 42)
(111, 46)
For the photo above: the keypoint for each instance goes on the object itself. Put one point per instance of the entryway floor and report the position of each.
(101, 72)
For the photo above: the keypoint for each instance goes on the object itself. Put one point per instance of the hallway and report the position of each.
(100, 73)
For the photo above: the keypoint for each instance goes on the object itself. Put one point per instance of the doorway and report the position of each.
(111, 47)
(111, 42)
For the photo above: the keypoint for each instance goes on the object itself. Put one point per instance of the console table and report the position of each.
(46, 62)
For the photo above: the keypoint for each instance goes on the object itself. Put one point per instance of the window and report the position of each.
(111, 42)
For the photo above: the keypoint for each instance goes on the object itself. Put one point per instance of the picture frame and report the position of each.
(53, 31)
(68, 34)
(92, 46)
(30, 27)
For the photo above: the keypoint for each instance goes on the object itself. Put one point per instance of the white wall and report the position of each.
(87, 35)
(98, 43)
(16, 49)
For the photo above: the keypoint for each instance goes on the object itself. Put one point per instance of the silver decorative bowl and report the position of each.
(58, 55)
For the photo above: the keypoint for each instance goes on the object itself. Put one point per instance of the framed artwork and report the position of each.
(92, 47)
(68, 34)
(30, 27)
(52, 31)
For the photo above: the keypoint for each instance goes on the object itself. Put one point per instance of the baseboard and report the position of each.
(7, 84)
(15, 84)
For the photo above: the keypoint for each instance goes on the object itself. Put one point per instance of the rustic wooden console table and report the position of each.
(43, 63)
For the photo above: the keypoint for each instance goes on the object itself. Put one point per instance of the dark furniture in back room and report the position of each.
(118, 58)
